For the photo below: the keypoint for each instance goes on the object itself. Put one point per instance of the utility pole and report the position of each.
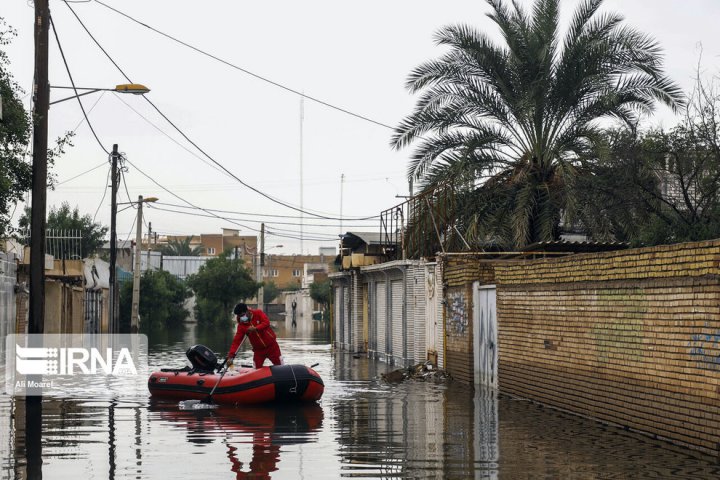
(113, 327)
(33, 403)
(342, 182)
(39, 170)
(134, 313)
(149, 240)
(261, 291)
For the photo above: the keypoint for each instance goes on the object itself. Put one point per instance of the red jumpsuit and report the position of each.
(263, 339)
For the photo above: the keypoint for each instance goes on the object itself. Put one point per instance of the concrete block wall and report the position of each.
(629, 337)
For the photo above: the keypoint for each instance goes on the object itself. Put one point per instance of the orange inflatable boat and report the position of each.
(278, 383)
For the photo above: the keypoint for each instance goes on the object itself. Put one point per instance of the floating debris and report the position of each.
(424, 372)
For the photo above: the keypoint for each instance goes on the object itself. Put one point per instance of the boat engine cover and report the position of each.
(202, 358)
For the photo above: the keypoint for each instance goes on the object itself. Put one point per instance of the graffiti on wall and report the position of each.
(704, 348)
(457, 313)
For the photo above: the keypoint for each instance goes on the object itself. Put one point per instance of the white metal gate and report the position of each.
(347, 318)
(431, 313)
(485, 351)
(397, 321)
(339, 338)
(381, 318)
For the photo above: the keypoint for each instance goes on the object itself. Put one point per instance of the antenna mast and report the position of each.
(302, 118)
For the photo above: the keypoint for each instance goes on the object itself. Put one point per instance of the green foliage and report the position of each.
(270, 291)
(211, 313)
(218, 285)
(15, 172)
(320, 292)
(181, 248)
(657, 187)
(65, 218)
(161, 301)
(512, 126)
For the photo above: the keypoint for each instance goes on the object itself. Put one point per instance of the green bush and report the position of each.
(162, 297)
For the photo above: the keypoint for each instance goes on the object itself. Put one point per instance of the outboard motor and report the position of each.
(202, 358)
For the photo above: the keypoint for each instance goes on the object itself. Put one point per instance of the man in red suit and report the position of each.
(256, 326)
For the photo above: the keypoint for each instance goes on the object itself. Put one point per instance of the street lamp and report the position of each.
(133, 88)
(134, 315)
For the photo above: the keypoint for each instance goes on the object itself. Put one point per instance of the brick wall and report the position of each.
(459, 273)
(630, 337)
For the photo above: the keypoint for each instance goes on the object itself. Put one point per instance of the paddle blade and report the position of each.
(196, 405)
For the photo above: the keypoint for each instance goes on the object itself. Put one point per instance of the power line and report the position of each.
(81, 174)
(248, 72)
(273, 230)
(167, 135)
(155, 206)
(107, 179)
(82, 120)
(264, 215)
(186, 201)
(72, 82)
(209, 157)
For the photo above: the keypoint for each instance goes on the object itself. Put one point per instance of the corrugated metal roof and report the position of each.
(574, 246)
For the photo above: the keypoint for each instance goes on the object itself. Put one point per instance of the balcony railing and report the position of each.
(420, 226)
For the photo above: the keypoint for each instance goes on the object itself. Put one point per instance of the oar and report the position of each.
(208, 402)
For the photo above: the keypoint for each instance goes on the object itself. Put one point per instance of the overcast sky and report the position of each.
(352, 55)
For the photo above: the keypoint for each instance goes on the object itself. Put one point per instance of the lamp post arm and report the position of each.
(76, 96)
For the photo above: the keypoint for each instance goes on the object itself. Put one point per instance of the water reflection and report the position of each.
(362, 428)
(252, 436)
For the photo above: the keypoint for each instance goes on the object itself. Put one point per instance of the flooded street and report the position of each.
(362, 428)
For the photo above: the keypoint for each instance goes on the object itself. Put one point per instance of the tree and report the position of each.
(320, 292)
(15, 172)
(218, 285)
(662, 186)
(65, 218)
(15, 130)
(181, 248)
(162, 297)
(513, 126)
(270, 291)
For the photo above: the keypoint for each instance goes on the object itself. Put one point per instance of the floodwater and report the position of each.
(362, 428)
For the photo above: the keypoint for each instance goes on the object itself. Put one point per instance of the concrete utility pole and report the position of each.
(113, 327)
(149, 240)
(261, 291)
(134, 314)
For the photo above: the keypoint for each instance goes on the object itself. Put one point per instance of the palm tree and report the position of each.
(182, 248)
(514, 125)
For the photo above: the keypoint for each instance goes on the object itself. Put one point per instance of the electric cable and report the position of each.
(186, 201)
(155, 207)
(264, 215)
(107, 179)
(72, 82)
(81, 174)
(228, 172)
(168, 135)
(248, 72)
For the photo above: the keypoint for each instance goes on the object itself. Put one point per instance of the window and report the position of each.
(296, 272)
(211, 250)
(270, 273)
